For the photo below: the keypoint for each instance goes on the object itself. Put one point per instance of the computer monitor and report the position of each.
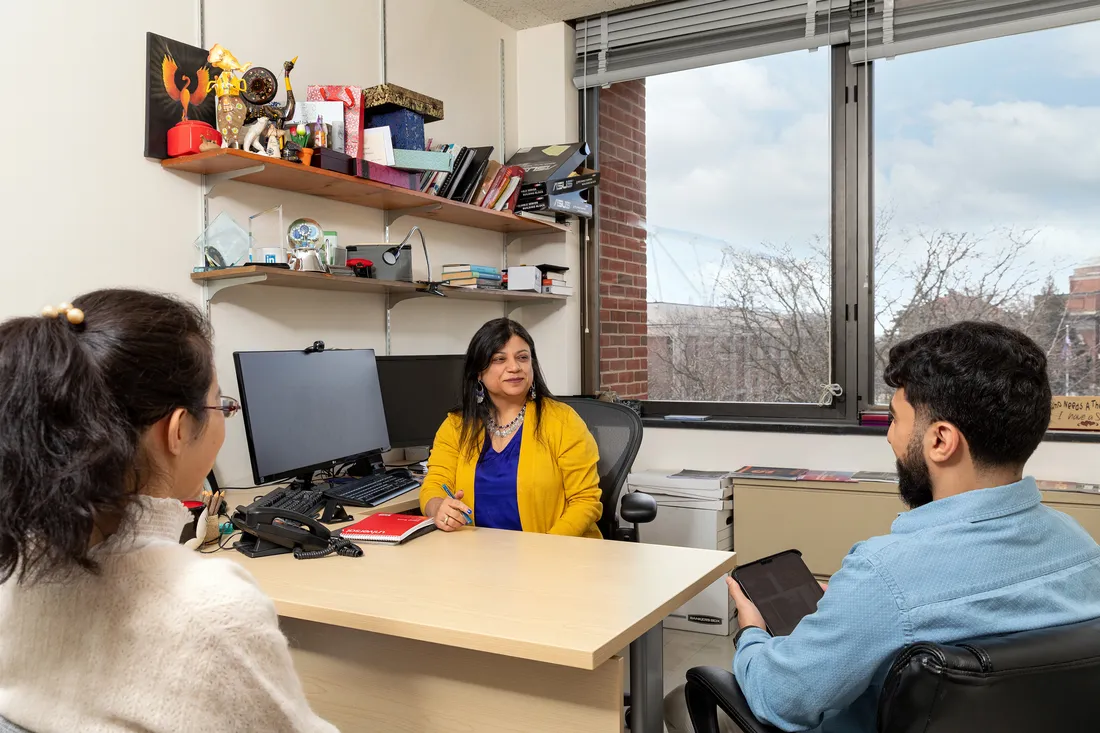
(418, 392)
(305, 412)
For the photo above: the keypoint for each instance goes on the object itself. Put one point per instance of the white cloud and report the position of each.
(741, 152)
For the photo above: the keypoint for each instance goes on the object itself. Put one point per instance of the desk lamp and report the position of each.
(393, 254)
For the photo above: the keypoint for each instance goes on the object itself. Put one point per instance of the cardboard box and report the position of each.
(546, 166)
(352, 99)
(568, 203)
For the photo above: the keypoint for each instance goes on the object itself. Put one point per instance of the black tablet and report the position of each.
(782, 587)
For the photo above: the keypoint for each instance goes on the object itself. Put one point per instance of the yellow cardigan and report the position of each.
(557, 484)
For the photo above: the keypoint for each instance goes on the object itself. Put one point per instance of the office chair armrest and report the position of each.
(638, 508)
(710, 688)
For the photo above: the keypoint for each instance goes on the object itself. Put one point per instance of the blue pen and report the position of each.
(469, 514)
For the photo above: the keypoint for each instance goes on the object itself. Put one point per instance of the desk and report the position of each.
(482, 630)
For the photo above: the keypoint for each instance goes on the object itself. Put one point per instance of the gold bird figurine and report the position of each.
(220, 57)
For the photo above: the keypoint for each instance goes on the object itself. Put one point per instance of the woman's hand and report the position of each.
(449, 514)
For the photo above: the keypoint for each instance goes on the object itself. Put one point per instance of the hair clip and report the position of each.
(75, 316)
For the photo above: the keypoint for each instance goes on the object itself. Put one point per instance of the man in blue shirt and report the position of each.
(976, 555)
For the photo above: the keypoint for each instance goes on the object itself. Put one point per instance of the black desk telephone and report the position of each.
(272, 531)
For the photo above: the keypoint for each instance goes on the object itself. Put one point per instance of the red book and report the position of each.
(388, 529)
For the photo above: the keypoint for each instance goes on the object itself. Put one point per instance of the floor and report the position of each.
(686, 649)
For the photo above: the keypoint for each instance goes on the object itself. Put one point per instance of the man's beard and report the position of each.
(914, 480)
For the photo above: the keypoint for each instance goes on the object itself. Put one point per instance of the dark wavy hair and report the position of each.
(74, 405)
(988, 380)
(488, 340)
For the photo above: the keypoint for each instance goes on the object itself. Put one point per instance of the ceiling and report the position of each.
(522, 14)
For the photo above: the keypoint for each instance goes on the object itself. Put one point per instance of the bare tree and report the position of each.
(767, 336)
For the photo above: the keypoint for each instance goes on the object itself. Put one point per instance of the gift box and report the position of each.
(385, 174)
(389, 97)
(352, 99)
(406, 127)
(186, 137)
(332, 160)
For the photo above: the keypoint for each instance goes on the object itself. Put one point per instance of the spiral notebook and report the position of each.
(387, 529)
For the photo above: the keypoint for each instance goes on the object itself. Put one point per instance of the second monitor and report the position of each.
(418, 392)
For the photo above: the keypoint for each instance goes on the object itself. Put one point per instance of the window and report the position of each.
(772, 220)
(736, 236)
(987, 177)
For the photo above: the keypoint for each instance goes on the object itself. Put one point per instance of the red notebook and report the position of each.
(387, 529)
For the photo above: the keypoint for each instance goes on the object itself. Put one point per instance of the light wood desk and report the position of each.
(482, 630)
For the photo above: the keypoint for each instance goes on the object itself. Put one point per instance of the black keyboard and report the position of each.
(372, 490)
(302, 501)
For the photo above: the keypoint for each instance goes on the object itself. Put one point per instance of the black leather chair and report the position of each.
(1027, 682)
(618, 433)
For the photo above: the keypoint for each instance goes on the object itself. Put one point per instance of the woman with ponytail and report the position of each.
(110, 416)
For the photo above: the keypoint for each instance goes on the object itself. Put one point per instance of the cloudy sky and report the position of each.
(1002, 133)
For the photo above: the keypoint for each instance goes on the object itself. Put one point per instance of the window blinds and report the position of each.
(885, 28)
(685, 34)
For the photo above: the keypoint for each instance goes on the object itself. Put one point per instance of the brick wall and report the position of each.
(623, 348)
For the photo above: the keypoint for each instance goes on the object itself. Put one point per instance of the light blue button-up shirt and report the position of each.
(985, 562)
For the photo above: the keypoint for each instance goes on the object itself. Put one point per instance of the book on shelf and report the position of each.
(506, 202)
(470, 176)
(882, 477)
(557, 290)
(434, 179)
(378, 146)
(771, 473)
(832, 477)
(388, 529)
(549, 218)
(482, 270)
(492, 168)
(480, 283)
(446, 186)
(1045, 485)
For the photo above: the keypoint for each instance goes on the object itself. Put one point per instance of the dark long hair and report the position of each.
(488, 340)
(74, 404)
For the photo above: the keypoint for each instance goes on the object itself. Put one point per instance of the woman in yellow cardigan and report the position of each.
(512, 456)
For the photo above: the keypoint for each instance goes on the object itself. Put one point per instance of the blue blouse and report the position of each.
(496, 505)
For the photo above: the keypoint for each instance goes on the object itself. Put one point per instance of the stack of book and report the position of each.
(874, 417)
(481, 277)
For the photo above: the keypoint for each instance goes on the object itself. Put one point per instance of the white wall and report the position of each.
(730, 449)
(96, 213)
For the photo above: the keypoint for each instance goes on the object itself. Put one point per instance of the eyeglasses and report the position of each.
(229, 406)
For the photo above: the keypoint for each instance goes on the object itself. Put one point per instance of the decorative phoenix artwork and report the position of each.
(184, 93)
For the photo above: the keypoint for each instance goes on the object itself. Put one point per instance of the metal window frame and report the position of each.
(850, 228)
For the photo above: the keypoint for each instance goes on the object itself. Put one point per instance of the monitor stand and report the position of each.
(369, 465)
(334, 512)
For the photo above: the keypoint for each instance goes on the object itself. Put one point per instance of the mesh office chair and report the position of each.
(618, 433)
(1041, 680)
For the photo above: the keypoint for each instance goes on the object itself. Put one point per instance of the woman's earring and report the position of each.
(532, 393)
(479, 393)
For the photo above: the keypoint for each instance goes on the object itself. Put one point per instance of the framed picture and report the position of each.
(177, 77)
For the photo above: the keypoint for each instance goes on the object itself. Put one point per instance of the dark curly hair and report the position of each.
(988, 380)
(74, 405)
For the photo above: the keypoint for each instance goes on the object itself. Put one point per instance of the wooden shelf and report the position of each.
(397, 289)
(276, 173)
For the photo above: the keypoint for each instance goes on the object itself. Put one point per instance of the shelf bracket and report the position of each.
(213, 287)
(393, 215)
(516, 236)
(210, 180)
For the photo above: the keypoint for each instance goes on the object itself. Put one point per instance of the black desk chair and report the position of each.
(618, 433)
(1031, 681)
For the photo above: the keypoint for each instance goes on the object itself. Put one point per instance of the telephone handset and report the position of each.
(271, 531)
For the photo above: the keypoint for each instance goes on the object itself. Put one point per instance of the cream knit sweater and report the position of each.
(163, 640)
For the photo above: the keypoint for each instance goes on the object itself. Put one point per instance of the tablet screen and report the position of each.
(782, 587)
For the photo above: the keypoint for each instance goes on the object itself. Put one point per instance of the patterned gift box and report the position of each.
(352, 97)
(389, 97)
(406, 127)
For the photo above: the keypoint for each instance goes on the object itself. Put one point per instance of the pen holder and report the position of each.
(213, 530)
